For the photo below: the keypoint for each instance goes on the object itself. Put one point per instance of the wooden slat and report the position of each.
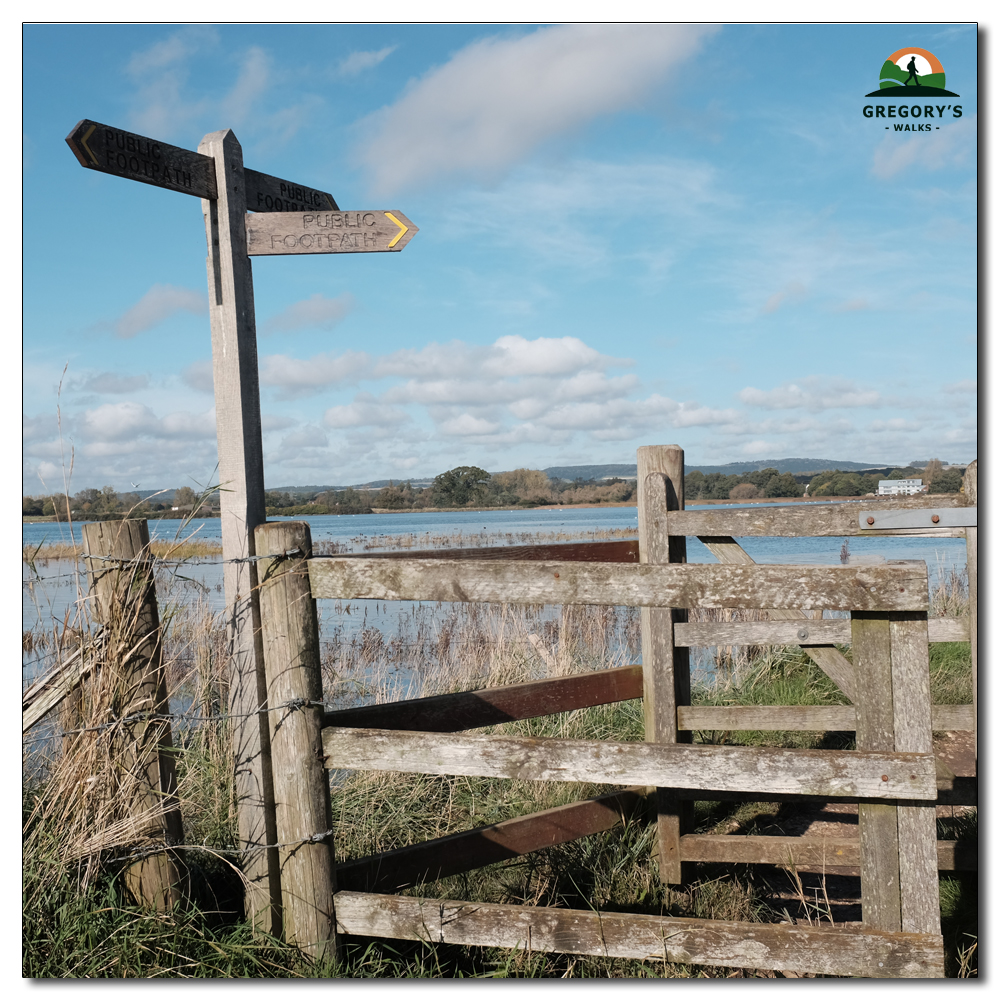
(956, 791)
(795, 521)
(761, 769)
(809, 852)
(626, 551)
(970, 484)
(916, 822)
(112, 150)
(790, 633)
(807, 718)
(274, 194)
(876, 820)
(829, 659)
(48, 691)
(768, 718)
(666, 667)
(486, 845)
(450, 713)
(949, 718)
(867, 588)
(310, 232)
(833, 951)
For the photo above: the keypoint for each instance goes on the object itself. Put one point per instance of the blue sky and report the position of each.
(629, 234)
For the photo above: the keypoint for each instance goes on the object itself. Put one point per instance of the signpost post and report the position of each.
(289, 218)
(241, 474)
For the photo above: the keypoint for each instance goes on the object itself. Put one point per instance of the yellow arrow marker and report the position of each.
(402, 229)
(83, 141)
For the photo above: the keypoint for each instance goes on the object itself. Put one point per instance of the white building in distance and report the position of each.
(895, 487)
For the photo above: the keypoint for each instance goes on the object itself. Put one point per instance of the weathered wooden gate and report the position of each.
(891, 775)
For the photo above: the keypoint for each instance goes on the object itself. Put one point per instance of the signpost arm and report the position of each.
(241, 474)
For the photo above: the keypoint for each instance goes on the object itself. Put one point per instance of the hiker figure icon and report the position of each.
(911, 67)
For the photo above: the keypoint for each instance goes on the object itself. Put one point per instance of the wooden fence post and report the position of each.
(125, 603)
(971, 483)
(241, 474)
(899, 880)
(295, 697)
(666, 673)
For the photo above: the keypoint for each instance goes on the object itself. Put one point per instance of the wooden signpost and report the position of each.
(291, 218)
(327, 232)
(114, 151)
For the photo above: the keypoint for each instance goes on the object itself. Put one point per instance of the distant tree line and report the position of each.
(470, 486)
(463, 486)
(749, 486)
(831, 483)
(106, 504)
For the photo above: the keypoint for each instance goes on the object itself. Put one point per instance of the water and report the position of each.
(343, 527)
(55, 592)
(940, 554)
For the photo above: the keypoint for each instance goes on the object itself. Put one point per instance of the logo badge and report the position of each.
(911, 73)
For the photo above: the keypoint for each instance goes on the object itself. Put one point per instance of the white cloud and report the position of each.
(967, 386)
(499, 98)
(357, 62)
(112, 384)
(131, 421)
(509, 356)
(157, 305)
(546, 356)
(165, 105)
(159, 74)
(853, 305)
(250, 85)
(39, 428)
(952, 145)
(512, 390)
(116, 421)
(316, 312)
(183, 424)
(651, 211)
(168, 52)
(467, 425)
(793, 290)
(198, 375)
(364, 411)
(274, 422)
(307, 436)
(296, 377)
(812, 393)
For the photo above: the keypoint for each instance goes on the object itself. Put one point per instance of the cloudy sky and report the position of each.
(629, 234)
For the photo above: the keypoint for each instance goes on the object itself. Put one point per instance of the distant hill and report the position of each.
(796, 465)
(800, 466)
(375, 484)
(572, 472)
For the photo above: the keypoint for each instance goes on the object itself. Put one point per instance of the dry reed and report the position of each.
(190, 548)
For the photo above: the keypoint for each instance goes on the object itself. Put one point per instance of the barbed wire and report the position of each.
(139, 854)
